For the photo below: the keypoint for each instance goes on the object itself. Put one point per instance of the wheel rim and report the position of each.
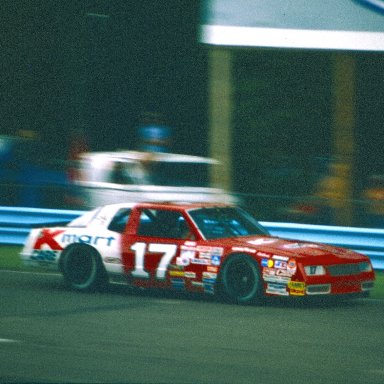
(241, 280)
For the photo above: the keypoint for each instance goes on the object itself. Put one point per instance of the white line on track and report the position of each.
(8, 341)
(31, 272)
(169, 302)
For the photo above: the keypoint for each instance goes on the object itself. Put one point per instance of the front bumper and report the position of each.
(316, 286)
(339, 288)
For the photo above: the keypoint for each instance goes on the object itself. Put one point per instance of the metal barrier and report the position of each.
(15, 224)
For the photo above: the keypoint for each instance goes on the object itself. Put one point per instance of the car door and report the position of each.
(153, 249)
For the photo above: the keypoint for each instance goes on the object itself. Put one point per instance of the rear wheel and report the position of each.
(240, 280)
(82, 268)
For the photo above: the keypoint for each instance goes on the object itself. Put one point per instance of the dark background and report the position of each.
(96, 66)
(93, 67)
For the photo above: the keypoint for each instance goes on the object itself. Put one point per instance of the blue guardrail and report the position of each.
(16, 223)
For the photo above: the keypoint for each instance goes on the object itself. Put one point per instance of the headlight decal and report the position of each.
(365, 266)
(314, 270)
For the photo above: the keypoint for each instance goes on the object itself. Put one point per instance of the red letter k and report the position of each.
(47, 237)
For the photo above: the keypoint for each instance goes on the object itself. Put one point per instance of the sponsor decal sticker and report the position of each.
(47, 237)
(44, 255)
(277, 289)
(269, 272)
(205, 255)
(264, 254)
(182, 262)
(187, 253)
(264, 262)
(300, 245)
(262, 241)
(211, 250)
(296, 285)
(267, 263)
(201, 261)
(197, 283)
(277, 279)
(112, 260)
(202, 252)
(216, 260)
(176, 273)
(296, 288)
(217, 251)
(281, 258)
(243, 249)
(280, 264)
(292, 266)
(274, 276)
(209, 275)
(87, 239)
(208, 252)
(177, 267)
(212, 269)
(283, 272)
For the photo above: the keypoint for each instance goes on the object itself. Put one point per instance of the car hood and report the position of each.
(266, 246)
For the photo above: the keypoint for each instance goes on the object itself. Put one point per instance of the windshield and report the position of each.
(217, 222)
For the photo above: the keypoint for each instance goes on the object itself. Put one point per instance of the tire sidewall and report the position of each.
(224, 287)
(93, 278)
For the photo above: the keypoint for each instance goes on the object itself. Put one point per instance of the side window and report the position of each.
(120, 220)
(163, 223)
(119, 173)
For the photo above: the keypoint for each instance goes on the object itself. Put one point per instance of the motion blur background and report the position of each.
(299, 130)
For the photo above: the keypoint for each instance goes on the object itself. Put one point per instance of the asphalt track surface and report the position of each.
(51, 334)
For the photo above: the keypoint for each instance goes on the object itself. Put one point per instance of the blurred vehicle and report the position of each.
(133, 176)
(207, 248)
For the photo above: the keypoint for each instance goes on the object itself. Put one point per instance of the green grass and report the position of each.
(9, 259)
(378, 291)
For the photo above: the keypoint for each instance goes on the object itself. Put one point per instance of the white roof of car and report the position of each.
(147, 156)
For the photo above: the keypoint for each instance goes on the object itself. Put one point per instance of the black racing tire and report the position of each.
(240, 280)
(82, 268)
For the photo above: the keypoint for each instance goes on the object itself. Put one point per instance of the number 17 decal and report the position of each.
(168, 250)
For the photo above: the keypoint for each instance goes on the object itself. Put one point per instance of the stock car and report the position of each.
(198, 247)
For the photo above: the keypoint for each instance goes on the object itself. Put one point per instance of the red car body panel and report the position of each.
(279, 260)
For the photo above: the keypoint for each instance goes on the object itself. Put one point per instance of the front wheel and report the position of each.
(82, 268)
(240, 280)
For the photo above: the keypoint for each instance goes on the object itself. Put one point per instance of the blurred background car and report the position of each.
(133, 176)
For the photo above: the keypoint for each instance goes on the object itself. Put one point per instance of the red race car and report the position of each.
(208, 248)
